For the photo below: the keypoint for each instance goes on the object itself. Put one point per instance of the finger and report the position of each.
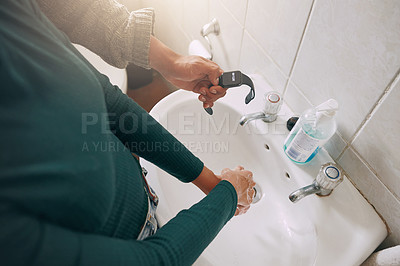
(201, 86)
(202, 98)
(208, 105)
(248, 174)
(251, 193)
(203, 89)
(211, 91)
(225, 170)
(208, 89)
(214, 76)
(245, 208)
(249, 197)
(215, 92)
(241, 210)
(239, 168)
(211, 99)
(212, 71)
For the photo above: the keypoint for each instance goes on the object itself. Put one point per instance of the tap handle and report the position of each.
(329, 176)
(273, 102)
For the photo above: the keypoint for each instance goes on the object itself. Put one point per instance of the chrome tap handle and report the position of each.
(330, 176)
(273, 103)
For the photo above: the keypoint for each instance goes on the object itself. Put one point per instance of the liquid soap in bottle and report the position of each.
(314, 128)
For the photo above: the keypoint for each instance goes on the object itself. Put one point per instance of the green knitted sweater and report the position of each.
(71, 193)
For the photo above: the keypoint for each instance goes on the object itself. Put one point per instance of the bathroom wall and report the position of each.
(313, 50)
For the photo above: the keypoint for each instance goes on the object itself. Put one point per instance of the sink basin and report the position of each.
(341, 229)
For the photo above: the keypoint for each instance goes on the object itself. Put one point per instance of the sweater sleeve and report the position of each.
(29, 240)
(144, 136)
(105, 27)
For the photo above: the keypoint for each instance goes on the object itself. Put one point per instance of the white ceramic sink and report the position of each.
(341, 229)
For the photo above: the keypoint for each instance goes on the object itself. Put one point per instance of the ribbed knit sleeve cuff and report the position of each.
(143, 21)
(227, 186)
(189, 167)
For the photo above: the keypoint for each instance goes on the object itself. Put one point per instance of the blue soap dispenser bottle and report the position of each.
(314, 128)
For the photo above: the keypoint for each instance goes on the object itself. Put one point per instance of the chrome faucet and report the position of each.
(212, 27)
(273, 102)
(327, 179)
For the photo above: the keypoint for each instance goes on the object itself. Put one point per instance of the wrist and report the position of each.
(162, 58)
(207, 180)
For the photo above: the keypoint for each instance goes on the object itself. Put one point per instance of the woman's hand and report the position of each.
(197, 74)
(242, 180)
(192, 73)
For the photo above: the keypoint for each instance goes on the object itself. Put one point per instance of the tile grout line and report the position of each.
(372, 170)
(245, 15)
(346, 147)
(375, 107)
(299, 47)
(231, 14)
(243, 32)
(301, 93)
(265, 53)
(236, 20)
(373, 110)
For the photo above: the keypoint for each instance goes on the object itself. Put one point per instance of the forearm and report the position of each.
(144, 136)
(27, 240)
(161, 57)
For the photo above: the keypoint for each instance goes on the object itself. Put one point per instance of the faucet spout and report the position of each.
(314, 188)
(273, 102)
(329, 176)
(249, 117)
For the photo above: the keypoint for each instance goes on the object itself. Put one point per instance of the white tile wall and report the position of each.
(379, 142)
(313, 50)
(278, 27)
(253, 59)
(351, 52)
(195, 15)
(237, 7)
(227, 44)
(296, 99)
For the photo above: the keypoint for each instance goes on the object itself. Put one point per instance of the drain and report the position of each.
(266, 147)
(258, 194)
(287, 175)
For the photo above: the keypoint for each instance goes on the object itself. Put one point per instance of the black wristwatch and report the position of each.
(235, 79)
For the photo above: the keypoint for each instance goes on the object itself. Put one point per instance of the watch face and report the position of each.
(230, 79)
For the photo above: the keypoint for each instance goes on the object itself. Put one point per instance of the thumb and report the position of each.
(212, 71)
(214, 75)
